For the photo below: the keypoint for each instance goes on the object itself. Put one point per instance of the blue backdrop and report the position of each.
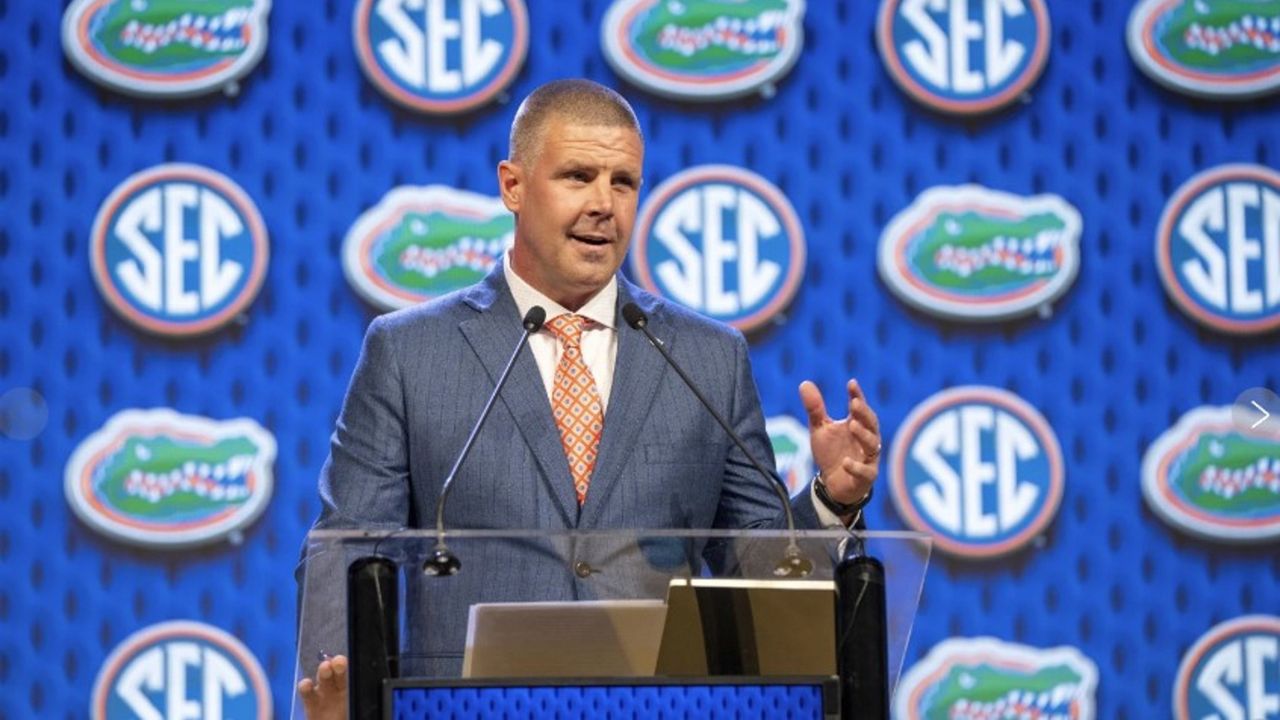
(314, 144)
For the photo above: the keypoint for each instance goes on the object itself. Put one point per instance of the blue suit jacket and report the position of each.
(422, 379)
(424, 375)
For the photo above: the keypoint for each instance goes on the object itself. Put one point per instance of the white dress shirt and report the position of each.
(599, 336)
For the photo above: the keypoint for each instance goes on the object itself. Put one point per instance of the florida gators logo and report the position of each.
(981, 678)
(166, 48)
(979, 469)
(178, 250)
(1211, 477)
(1231, 672)
(970, 253)
(419, 243)
(441, 56)
(964, 56)
(161, 479)
(184, 669)
(1208, 48)
(793, 458)
(722, 241)
(703, 49)
(1218, 248)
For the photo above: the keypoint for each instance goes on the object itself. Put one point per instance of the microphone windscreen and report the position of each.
(634, 316)
(534, 318)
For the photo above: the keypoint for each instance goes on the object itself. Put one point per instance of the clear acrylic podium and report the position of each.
(365, 594)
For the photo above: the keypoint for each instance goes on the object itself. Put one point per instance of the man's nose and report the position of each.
(600, 199)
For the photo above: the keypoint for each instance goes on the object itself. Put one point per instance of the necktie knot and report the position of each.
(567, 328)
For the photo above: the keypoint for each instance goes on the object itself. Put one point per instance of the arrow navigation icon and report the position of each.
(1262, 410)
(1257, 410)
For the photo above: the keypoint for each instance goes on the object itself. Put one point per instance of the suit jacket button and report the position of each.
(582, 569)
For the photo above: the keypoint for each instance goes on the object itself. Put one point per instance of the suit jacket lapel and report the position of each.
(493, 333)
(636, 376)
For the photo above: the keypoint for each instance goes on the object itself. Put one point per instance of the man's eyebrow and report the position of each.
(575, 165)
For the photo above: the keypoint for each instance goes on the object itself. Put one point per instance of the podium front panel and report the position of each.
(422, 618)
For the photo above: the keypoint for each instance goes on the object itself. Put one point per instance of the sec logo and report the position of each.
(178, 250)
(722, 241)
(979, 469)
(168, 48)
(703, 49)
(181, 669)
(964, 56)
(1218, 248)
(1233, 671)
(441, 56)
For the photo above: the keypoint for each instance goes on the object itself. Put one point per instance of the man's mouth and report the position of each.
(590, 239)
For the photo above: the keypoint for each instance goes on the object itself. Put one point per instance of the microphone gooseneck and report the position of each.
(794, 564)
(442, 561)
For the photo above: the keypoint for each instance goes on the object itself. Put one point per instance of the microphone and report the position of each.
(793, 564)
(442, 561)
(372, 599)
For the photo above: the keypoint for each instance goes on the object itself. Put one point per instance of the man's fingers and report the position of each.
(868, 439)
(336, 682)
(864, 475)
(325, 697)
(859, 469)
(860, 412)
(310, 697)
(855, 390)
(813, 405)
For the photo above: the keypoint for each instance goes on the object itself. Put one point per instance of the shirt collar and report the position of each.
(600, 309)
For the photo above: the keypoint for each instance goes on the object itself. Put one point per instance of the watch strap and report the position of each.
(839, 508)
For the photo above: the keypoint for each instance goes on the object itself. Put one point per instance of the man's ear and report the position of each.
(511, 185)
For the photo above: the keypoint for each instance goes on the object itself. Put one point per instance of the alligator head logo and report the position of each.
(961, 56)
(1218, 248)
(1211, 478)
(444, 58)
(158, 478)
(178, 250)
(166, 48)
(970, 253)
(199, 669)
(979, 469)
(790, 440)
(703, 49)
(723, 241)
(980, 678)
(419, 243)
(1230, 671)
(1208, 48)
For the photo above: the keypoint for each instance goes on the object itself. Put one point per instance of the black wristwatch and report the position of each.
(842, 509)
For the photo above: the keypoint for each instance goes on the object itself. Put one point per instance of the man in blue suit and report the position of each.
(644, 453)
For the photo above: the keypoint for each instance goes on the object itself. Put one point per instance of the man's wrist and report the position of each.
(839, 508)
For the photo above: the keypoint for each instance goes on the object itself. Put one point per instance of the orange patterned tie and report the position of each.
(575, 403)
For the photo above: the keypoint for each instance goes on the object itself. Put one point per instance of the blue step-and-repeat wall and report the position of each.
(1044, 236)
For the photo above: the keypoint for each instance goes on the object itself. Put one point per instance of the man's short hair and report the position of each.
(583, 101)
